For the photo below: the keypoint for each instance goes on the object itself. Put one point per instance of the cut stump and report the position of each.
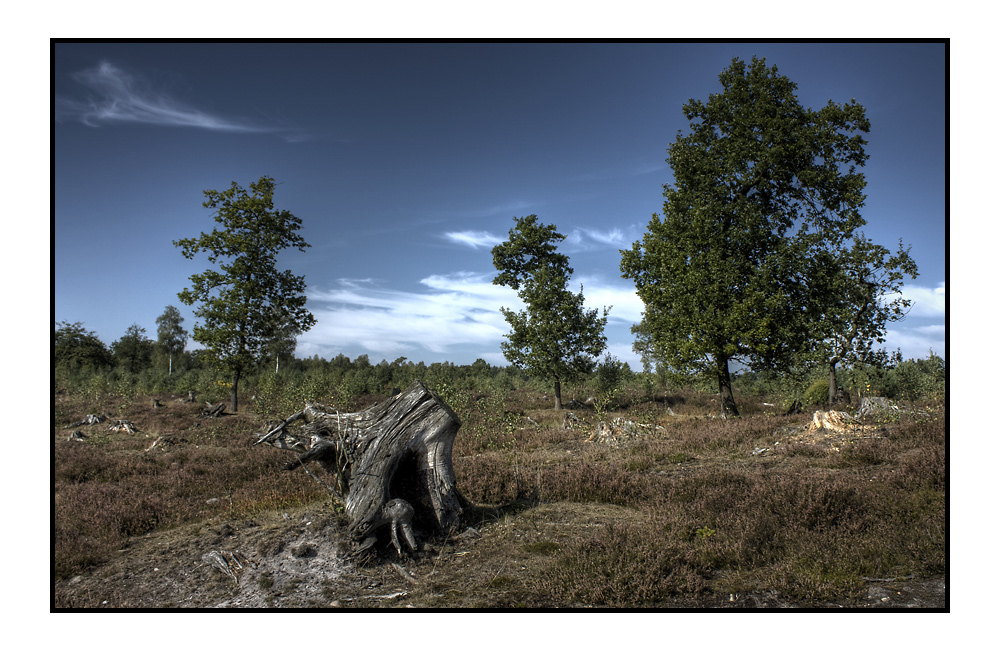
(392, 462)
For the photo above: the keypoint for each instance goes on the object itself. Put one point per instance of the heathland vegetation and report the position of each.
(693, 510)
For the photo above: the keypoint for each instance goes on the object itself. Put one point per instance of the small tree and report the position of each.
(861, 285)
(554, 337)
(170, 336)
(133, 351)
(243, 303)
(280, 341)
(760, 185)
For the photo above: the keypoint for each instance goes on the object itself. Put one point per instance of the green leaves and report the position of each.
(248, 302)
(554, 336)
(761, 186)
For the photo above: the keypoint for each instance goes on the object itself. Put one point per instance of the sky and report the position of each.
(407, 162)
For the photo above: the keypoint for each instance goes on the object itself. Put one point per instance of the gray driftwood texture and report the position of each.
(391, 461)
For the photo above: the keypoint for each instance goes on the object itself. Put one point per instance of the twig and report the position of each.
(332, 491)
(280, 427)
(403, 572)
(398, 594)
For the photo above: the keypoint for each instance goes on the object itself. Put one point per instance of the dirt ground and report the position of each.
(298, 560)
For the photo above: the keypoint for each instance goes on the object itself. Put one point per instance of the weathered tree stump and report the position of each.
(213, 411)
(392, 462)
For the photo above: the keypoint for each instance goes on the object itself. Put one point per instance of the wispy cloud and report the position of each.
(459, 310)
(623, 171)
(115, 96)
(455, 310)
(586, 239)
(473, 238)
(578, 239)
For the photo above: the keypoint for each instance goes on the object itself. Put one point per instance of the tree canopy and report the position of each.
(760, 186)
(248, 299)
(554, 336)
(73, 348)
(134, 350)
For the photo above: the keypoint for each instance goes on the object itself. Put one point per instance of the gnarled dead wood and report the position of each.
(213, 411)
(392, 461)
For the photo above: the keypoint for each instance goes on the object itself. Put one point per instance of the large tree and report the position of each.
(863, 283)
(554, 336)
(761, 184)
(248, 298)
(170, 336)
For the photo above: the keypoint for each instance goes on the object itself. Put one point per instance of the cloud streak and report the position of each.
(118, 97)
(459, 310)
(474, 239)
(456, 310)
(578, 239)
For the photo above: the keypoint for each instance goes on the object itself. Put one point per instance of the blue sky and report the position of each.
(408, 162)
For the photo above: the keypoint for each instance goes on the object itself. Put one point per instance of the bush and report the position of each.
(818, 393)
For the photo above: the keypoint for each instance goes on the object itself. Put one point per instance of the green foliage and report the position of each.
(75, 348)
(862, 284)
(761, 185)
(818, 393)
(170, 336)
(248, 303)
(554, 337)
(133, 351)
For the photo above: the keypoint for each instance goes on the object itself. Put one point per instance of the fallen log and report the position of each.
(392, 462)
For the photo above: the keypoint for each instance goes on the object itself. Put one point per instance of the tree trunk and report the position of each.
(726, 388)
(236, 384)
(170, 363)
(391, 462)
(558, 390)
(832, 395)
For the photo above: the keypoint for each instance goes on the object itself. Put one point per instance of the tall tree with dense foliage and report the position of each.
(761, 185)
(134, 350)
(863, 282)
(73, 348)
(170, 336)
(244, 302)
(554, 336)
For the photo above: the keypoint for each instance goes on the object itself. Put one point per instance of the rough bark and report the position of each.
(392, 461)
(726, 388)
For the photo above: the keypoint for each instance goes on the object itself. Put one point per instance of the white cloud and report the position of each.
(453, 312)
(474, 238)
(915, 342)
(117, 96)
(588, 239)
(626, 306)
(927, 302)
(460, 309)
